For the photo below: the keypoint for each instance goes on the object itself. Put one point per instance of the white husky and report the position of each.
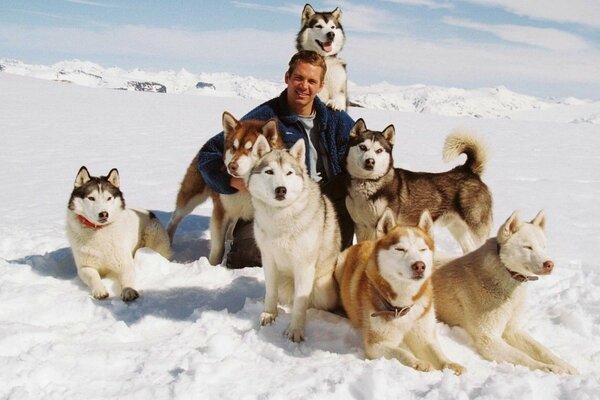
(484, 292)
(296, 229)
(104, 235)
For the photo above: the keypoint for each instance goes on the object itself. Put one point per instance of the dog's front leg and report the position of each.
(219, 223)
(304, 278)
(91, 278)
(271, 292)
(522, 341)
(423, 341)
(375, 348)
(126, 279)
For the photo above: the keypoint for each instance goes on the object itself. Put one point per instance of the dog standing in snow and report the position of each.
(104, 235)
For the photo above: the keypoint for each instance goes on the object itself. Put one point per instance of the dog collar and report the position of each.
(386, 309)
(520, 277)
(88, 223)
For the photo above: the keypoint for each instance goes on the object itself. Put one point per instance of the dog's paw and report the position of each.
(267, 318)
(295, 335)
(129, 294)
(456, 368)
(337, 105)
(100, 294)
(559, 369)
(422, 365)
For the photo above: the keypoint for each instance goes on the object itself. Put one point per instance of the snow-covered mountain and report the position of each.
(497, 102)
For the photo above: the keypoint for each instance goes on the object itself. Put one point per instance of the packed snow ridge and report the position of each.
(496, 102)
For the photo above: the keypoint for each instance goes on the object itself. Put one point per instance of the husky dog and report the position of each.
(104, 235)
(484, 292)
(386, 291)
(457, 198)
(296, 229)
(322, 32)
(240, 137)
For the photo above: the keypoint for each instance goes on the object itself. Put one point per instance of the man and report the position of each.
(301, 116)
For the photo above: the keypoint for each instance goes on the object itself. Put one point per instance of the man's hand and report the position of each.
(238, 183)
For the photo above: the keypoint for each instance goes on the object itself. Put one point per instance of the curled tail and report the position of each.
(459, 142)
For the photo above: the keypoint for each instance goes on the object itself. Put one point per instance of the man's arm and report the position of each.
(211, 166)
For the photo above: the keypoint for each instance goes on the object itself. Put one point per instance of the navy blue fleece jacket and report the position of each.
(334, 128)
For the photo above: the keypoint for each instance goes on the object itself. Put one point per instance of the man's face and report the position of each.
(303, 85)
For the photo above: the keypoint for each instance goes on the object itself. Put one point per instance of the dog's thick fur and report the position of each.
(240, 137)
(457, 198)
(323, 33)
(386, 291)
(104, 235)
(484, 292)
(296, 229)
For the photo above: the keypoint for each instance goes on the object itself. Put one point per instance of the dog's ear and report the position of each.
(261, 146)
(337, 14)
(509, 227)
(271, 131)
(298, 151)
(82, 177)
(386, 222)
(389, 133)
(229, 123)
(426, 223)
(307, 12)
(540, 220)
(113, 177)
(358, 128)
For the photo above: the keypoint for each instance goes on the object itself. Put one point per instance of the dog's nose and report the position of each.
(548, 266)
(330, 36)
(369, 163)
(233, 166)
(280, 192)
(418, 269)
(103, 215)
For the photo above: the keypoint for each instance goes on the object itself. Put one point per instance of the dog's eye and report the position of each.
(91, 198)
(378, 151)
(401, 249)
(319, 26)
(109, 198)
(363, 147)
(289, 173)
(422, 250)
(528, 247)
(269, 172)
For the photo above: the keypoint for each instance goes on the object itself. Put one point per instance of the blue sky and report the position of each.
(538, 47)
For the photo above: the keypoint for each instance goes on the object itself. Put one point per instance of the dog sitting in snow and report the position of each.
(386, 291)
(484, 292)
(323, 33)
(104, 235)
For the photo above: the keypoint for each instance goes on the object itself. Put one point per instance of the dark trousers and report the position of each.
(244, 251)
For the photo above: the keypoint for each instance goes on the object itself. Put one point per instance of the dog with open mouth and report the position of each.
(323, 33)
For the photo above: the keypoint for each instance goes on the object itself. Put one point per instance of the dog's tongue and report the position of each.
(327, 46)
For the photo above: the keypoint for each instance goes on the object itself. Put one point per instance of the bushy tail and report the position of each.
(459, 142)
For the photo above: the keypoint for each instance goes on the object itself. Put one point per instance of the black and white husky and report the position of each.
(323, 33)
(296, 229)
(457, 199)
(104, 235)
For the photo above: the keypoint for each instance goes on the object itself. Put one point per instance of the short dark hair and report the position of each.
(309, 57)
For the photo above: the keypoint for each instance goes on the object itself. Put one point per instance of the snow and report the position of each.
(194, 332)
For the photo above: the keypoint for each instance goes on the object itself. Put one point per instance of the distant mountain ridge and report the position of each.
(496, 102)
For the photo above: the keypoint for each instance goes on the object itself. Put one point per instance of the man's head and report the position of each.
(304, 79)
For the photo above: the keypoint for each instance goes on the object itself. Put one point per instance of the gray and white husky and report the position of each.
(104, 235)
(457, 199)
(485, 293)
(323, 33)
(296, 229)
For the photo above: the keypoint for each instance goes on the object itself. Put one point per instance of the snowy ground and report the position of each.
(194, 333)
